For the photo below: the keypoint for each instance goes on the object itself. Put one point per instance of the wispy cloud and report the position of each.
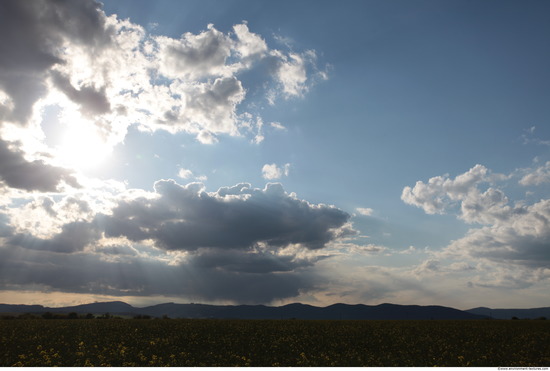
(365, 211)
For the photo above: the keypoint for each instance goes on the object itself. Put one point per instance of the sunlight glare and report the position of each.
(82, 148)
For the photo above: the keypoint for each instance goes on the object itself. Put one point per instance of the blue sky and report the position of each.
(275, 152)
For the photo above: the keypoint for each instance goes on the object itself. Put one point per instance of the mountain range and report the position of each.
(297, 311)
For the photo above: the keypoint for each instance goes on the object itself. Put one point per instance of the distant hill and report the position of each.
(298, 311)
(20, 308)
(509, 313)
(118, 307)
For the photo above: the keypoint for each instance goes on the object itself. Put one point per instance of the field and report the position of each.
(182, 342)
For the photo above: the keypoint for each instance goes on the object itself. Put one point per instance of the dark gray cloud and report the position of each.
(248, 262)
(35, 175)
(74, 236)
(132, 275)
(230, 245)
(187, 218)
(31, 35)
(93, 101)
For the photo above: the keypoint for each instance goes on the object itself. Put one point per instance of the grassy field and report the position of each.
(273, 343)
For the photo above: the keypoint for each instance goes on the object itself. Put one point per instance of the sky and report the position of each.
(271, 152)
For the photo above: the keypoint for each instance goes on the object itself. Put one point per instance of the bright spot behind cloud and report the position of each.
(82, 147)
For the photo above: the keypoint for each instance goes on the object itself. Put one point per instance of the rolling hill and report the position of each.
(297, 311)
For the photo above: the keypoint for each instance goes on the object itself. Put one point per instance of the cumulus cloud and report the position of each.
(513, 236)
(32, 35)
(441, 192)
(537, 176)
(188, 218)
(240, 243)
(17, 172)
(245, 244)
(522, 238)
(272, 171)
(195, 56)
(74, 56)
(249, 44)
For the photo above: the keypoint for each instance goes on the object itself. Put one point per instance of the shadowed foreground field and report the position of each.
(273, 343)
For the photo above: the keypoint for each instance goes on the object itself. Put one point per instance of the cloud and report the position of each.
(509, 236)
(272, 171)
(188, 174)
(250, 44)
(35, 175)
(92, 101)
(200, 280)
(240, 243)
(185, 173)
(211, 104)
(74, 57)
(187, 218)
(246, 262)
(529, 137)
(522, 238)
(195, 56)
(73, 237)
(366, 211)
(538, 176)
(277, 126)
(441, 192)
(32, 35)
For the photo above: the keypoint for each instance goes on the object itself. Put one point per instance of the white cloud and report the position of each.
(188, 174)
(206, 137)
(521, 237)
(538, 176)
(195, 56)
(249, 44)
(292, 75)
(191, 84)
(529, 137)
(361, 249)
(440, 193)
(366, 211)
(278, 126)
(272, 171)
(512, 238)
(185, 173)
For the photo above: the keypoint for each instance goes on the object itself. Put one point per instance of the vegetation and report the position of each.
(179, 342)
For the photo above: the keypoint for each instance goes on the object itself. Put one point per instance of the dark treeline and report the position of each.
(71, 316)
(76, 316)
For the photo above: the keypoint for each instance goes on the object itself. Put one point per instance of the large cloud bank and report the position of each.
(105, 73)
(60, 231)
(512, 241)
(240, 243)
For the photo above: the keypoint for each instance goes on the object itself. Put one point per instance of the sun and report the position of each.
(82, 147)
